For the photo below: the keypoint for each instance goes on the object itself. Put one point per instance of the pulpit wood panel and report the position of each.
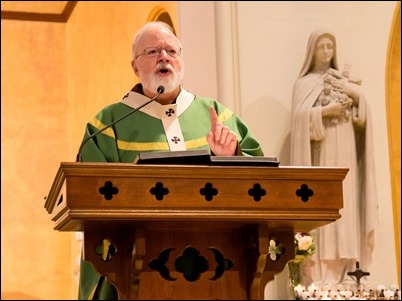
(191, 232)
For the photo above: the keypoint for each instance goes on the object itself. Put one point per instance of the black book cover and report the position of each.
(191, 157)
(202, 157)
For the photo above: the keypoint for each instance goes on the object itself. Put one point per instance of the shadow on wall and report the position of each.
(284, 151)
(270, 123)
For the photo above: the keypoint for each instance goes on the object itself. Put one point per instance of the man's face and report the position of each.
(158, 60)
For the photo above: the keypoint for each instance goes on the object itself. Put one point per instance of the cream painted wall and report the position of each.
(199, 47)
(264, 47)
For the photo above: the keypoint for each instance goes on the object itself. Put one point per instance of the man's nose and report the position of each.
(163, 55)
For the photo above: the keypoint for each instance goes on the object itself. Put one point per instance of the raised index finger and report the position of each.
(214, 118)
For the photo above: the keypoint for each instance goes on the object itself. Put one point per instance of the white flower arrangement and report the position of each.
(274, 250)
(304, 246)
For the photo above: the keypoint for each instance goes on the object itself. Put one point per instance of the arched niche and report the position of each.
(393, 105)
(161, 14)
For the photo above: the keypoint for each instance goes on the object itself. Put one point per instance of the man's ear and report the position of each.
(133, 65)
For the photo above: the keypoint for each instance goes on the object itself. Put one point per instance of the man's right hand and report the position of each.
(221, 139)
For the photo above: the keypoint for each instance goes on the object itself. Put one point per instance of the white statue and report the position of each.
(331, 127)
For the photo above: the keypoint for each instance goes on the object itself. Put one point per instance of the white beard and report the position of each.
(170, 83)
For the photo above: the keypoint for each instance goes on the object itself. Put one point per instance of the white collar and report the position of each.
(155, 109)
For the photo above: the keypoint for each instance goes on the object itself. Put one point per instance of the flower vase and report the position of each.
(295, 279)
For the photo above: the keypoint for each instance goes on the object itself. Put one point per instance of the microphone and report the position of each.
(160, 90)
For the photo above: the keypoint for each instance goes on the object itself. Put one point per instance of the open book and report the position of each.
(202, 157)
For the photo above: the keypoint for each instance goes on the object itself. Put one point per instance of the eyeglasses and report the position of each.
(156, 51)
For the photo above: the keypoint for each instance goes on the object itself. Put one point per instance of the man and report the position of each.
(176, 121)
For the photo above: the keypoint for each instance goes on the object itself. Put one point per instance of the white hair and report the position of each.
(145, 28)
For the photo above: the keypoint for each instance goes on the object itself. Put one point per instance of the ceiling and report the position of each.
(45, 11)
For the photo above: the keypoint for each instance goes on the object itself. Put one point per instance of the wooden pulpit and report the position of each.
(191, 231)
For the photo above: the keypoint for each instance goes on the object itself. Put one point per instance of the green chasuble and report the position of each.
(180, 126)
